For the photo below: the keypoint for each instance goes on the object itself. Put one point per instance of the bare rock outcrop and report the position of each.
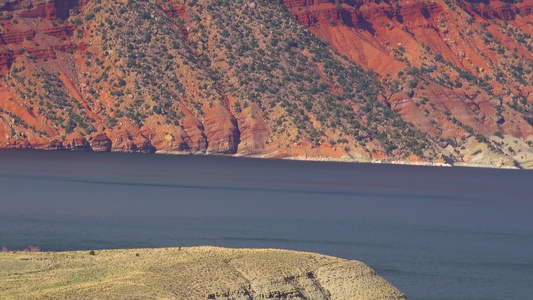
(222, 131)
(130, 139)
(254, 131)
(100, 142)
(168, 138)
(76, 141)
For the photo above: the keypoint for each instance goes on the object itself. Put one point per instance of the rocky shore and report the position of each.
(188, 273)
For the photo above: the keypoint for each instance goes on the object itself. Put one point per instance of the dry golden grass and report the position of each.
(187, 273)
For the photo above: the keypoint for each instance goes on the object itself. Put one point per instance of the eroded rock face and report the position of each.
(18, 33)
(50, 9)
(130, 140)
(76, 141)
(54, 144)
(195, 130)
(169, 138)
(254, 131)
(222, 131)
(100, 142)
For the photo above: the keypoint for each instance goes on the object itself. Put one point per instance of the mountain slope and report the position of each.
(249, 78)
(456, 70)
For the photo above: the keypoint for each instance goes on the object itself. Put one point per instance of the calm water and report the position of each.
(435, 233)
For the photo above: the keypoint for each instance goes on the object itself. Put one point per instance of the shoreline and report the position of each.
(347, 160)
(296, 158)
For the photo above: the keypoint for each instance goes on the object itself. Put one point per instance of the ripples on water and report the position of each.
(435, 233)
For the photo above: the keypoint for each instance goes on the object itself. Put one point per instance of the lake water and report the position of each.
(435, 233)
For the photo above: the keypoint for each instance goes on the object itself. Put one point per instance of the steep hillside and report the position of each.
(420, 82)
(456, 70)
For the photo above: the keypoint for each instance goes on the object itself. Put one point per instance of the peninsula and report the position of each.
(188, 273)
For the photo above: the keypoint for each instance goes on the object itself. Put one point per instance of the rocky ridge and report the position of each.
(223, 77)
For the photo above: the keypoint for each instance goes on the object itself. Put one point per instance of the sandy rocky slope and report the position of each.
(188, 273)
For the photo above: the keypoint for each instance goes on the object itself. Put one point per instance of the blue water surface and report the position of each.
(435, 233)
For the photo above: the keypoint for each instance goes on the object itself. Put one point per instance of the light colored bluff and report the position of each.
(188, 273)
